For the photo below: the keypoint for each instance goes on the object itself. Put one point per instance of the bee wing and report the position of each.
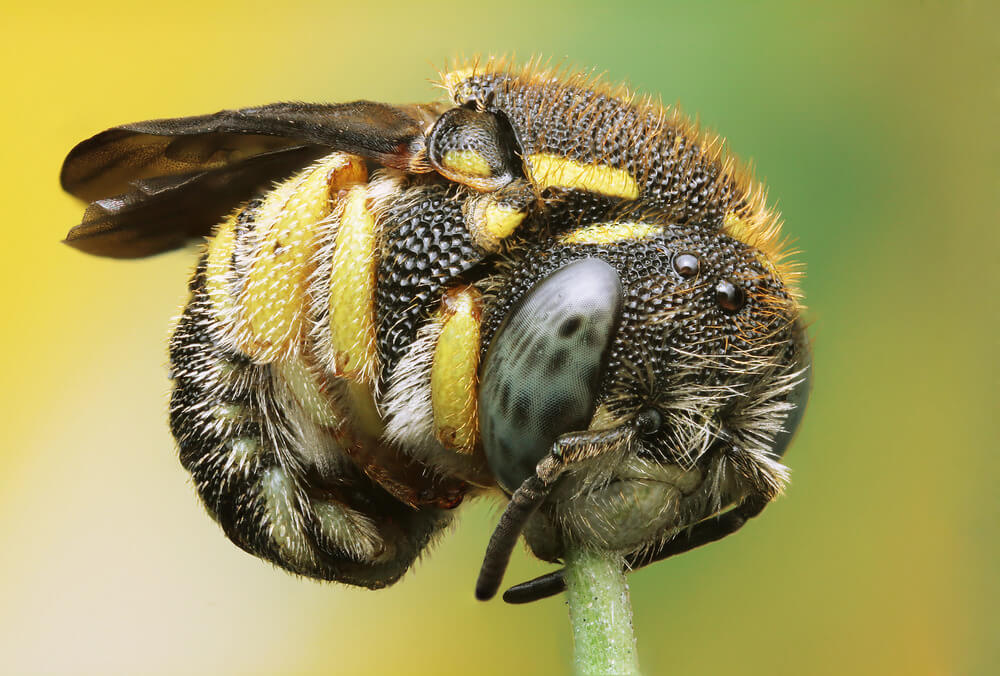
(163, 213)
(154, 185)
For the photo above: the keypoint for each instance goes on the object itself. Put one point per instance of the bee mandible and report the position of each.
(542, 289)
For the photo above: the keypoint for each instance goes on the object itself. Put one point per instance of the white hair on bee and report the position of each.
(407, 403)
(384, 188)
(291, 436)
(714, 460)
(312, 417)
(340, 528)
(760, 415)
(221, 320)
(409, 414)
(320, 278)
(318, 284)
(283, 522)
(348, 530)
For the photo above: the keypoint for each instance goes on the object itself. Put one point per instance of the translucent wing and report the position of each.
(154, 185)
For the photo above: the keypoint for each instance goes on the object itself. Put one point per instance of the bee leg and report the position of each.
(703, 533)
(523, 503)
(567, 450)
(541, 587)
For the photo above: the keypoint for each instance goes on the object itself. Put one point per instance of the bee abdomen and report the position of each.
(244, 441)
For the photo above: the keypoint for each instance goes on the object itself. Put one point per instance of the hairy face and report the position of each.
(704, 362)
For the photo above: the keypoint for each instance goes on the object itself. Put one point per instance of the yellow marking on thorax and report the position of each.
(467, 163)
(218, 269)
(737, 228)
(453, 372)
(352, 290)
(501, 221)
(490, 221)
(286, 238)
(761, 232)
(609, 233)
(555, 171)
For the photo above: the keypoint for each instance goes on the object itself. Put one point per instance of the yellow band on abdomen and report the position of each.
(285, 241)
(219, 274)
(352, 290)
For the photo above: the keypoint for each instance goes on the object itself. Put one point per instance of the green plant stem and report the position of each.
(601, 614)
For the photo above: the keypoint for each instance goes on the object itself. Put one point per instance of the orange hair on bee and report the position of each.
(749, 219)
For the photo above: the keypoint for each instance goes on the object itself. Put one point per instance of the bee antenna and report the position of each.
(523, 503)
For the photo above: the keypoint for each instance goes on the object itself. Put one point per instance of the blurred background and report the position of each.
(875, 127)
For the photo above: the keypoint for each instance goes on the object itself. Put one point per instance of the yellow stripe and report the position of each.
(218, 273)
(490, 221)
(285, 241)
(453, 372)
(467, 163)
(737, 228)
(609, 233)
(501, 221)
(555, 171)
(352, 290)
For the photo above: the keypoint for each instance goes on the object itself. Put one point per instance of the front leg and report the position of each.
(568, 450)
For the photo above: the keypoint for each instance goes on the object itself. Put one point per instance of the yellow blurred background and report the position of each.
(876, 128)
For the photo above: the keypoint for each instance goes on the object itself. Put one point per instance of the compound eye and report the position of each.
(473, 148)
(686, 265)
(729, 296)
(541, 374)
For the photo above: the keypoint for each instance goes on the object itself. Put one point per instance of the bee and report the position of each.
(543, 289)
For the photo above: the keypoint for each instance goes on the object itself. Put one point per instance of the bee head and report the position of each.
(711, 343)
(687, 340)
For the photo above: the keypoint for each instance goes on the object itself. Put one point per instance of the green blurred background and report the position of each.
(876, 128)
